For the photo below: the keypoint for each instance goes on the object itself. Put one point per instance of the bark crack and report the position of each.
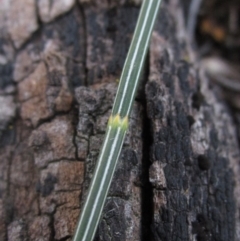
(147, 189)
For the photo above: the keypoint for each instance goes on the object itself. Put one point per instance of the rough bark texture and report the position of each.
(177, 178)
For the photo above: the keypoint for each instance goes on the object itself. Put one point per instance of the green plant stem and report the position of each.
(118, 123)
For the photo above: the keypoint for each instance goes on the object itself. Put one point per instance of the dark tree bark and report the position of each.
(177, 178)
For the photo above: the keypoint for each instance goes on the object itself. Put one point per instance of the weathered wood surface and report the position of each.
(59, 64)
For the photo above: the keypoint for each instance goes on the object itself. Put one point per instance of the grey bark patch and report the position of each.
(22, 21)
(7, 114)
(49, 10)
(17, 230)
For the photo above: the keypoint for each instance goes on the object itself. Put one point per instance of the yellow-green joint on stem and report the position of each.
(116, 121)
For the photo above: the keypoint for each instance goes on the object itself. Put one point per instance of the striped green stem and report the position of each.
(118, 123)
